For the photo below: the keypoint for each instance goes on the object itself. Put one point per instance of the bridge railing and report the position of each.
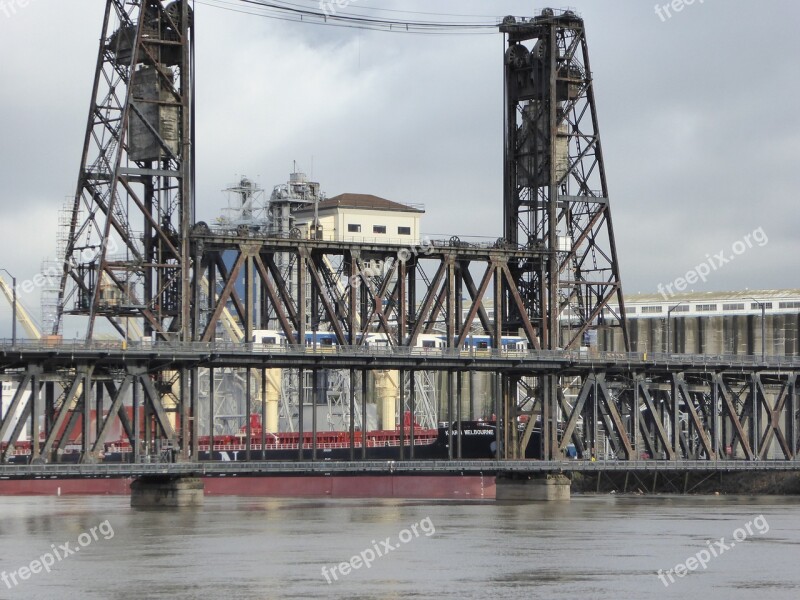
(582, 357)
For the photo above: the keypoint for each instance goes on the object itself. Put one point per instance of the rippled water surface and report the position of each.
(591, 547)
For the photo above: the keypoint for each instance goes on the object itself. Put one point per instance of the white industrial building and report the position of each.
(741, 322)
(362, 218)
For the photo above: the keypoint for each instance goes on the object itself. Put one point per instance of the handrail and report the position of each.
(581, 357)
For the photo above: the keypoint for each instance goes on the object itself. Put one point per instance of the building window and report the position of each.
(680, 308)
(756, 306)
(652, 309)
(631, 310)
(404, 231)
(733, 306)
(379, 229)
(787, 305)
(705, 307)
(353, 228)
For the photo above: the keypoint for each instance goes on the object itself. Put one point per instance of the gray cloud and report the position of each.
(697, 114)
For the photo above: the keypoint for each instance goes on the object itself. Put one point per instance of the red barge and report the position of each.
(476, 440)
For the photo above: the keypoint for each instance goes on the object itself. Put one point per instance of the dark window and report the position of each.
(353, 228)
(705, 307)
(733, 306)
(379, 229)
(652, 309)
(404, 230)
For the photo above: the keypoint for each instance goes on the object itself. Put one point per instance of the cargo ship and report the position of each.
(473, 440)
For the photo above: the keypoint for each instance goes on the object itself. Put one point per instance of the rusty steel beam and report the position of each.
(773, 426)
(682, 389)
(283, 316)
(320, 288)
(66, 411)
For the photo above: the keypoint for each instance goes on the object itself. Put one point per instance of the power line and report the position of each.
(359, 8)
(293, 7)
(292, 12)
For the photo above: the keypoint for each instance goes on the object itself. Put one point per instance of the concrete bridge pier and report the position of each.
(532, 487)
(156, 491)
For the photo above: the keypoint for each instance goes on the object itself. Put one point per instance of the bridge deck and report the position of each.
(383, 467)
(69, 354)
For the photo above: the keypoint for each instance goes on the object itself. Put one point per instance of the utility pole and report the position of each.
(763, 307)
(669, 336)
(13, 307)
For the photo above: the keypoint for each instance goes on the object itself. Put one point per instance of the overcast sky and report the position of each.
(698, 118)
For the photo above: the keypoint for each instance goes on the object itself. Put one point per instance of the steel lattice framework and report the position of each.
(628, 406)
(555, 194)
(127, 254)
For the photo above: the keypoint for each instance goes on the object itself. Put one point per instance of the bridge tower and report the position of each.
(127, 254)
(555, 203)
(555, 192)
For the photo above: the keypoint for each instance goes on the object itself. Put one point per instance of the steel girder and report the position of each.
(685, 415)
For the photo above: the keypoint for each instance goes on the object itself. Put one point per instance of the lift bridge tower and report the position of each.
(127, 253)
(555, 201)
(556, 198)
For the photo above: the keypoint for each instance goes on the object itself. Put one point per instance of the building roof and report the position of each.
(761, 295)
(363, 202)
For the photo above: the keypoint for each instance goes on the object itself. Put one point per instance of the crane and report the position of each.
(23, 316)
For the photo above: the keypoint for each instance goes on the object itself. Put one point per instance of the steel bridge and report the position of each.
(136, 255)
(715, 410)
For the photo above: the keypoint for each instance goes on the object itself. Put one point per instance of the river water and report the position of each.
(591, 547)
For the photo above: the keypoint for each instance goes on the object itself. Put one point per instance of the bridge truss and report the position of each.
(626, 407)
